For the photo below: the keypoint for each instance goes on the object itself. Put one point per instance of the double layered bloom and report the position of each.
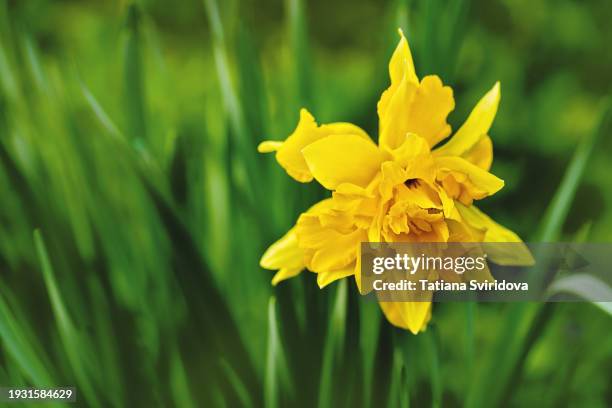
(408, 188)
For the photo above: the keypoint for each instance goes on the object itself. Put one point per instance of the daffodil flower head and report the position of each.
(410, 187)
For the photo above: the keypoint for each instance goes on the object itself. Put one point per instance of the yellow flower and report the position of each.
(405, 189)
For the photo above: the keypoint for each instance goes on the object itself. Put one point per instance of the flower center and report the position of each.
(412, 183)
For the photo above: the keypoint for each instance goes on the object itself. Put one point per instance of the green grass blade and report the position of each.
(452, 38)
(428, 56)
(298, 36)
(228, 89)
(179, 382)
(16, 343)
(370, 315)
(252, 92)
(499, 359)
(134, 78)
(435, 376)
(560, 205)
(396, 388)
(233, 107)
(106, 343)
(586, 287)
(99, 112)
(277, 376)
(271, 394)
(74, 345)
(211, 313)
(525, 321)
(8, 82)
(404, 395)
(470, 341)
(237, 384)
(332, 351)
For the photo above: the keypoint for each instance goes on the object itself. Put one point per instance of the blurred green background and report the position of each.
(128, 136)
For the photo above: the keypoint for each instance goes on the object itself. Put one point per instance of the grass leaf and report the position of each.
(368, 340)
(525, 321)
(133, 78)
(20, 347)
(75, 345)
(298, 36)
(559, 207)
(332, 351)
(586, 287)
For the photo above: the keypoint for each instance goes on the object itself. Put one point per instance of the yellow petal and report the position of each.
(343, 128)
(357, 271)
(325, 278)
(480, 275)
(269, 146)
(481, 154)
(284, 255)
(420, 108)
(327, 245)
(439, 233)
(412, 316)
(289, 152)
(401, 64)
(423, 194)
(284, 274)
(392, 176)
(429, 109)
(448, 205)
(393, 113)
(494, 232)
(465, 181)
(340, 159)
(477, 124)
(414, 156)
(339, 250)
(356, 201)
(459, 231)
(394, 102)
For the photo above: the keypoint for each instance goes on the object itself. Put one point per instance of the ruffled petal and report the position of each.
(395, 100)
(357, 201)
(414, 156)
(460, 231)
(429, 109)
(420, 108)
(464, 181)
(339, 159)
(327, 249)
(328, 245)
(393, 108)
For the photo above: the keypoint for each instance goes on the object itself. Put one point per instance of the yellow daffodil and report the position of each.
(405, 189)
